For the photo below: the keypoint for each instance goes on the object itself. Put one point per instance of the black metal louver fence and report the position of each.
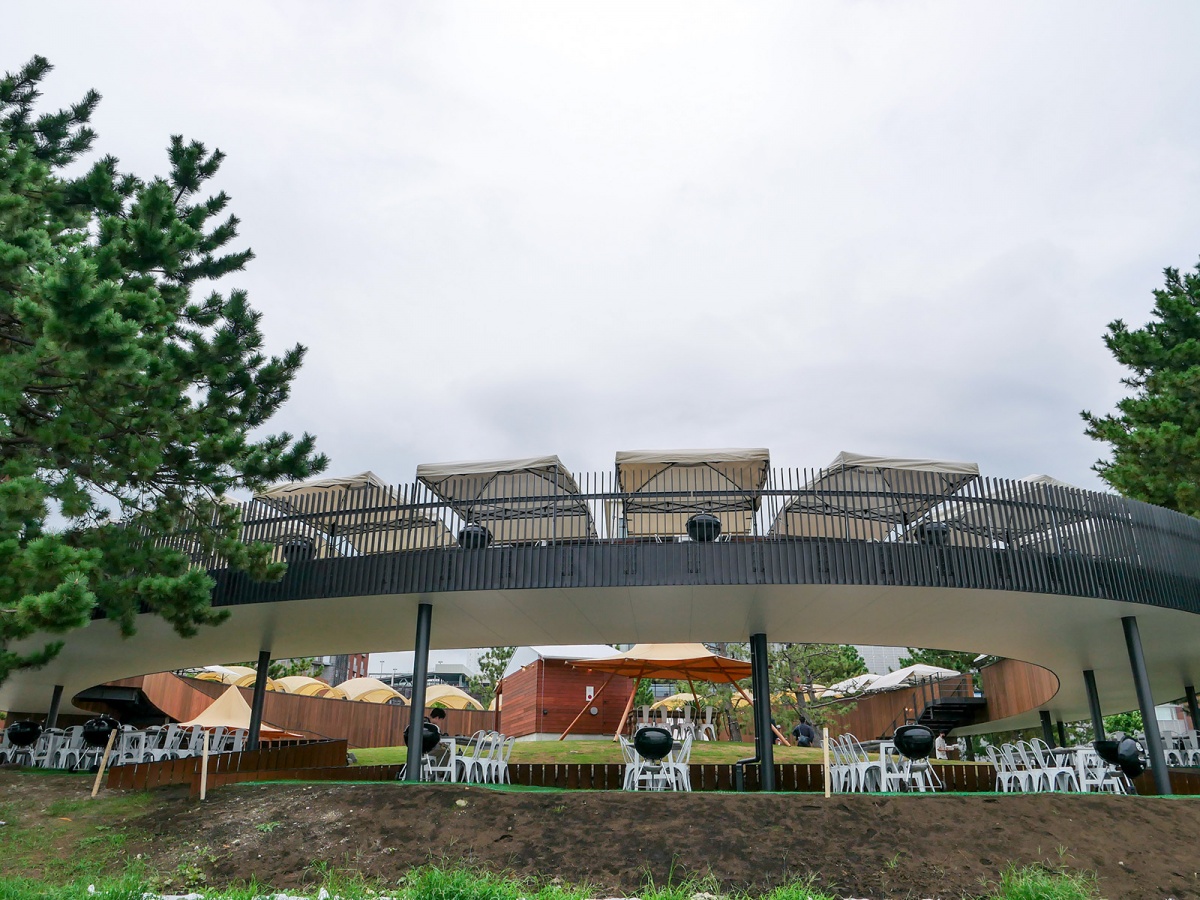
(783, 526)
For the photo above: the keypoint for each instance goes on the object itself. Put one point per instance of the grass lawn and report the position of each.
(592, 752)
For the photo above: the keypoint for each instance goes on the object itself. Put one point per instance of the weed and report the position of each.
(267, 827)
(1040, 883)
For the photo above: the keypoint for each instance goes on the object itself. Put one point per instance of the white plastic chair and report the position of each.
(469, 765)
(1006, 778)
(1058, 776)
(46, 748)
(678, 764)
(707, 729)
(71, 749)
(1099, 776)
(1038, 777)
(501, 775)
(441, 764)
(866, 774)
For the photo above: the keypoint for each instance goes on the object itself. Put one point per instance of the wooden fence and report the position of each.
(256, 765)
(325, 761)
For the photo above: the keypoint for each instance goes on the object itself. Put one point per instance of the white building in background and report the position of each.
(450, 666)
(881, 660)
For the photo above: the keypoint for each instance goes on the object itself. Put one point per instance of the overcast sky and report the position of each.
(516, 229)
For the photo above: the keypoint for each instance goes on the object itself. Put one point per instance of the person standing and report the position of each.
(940, 749)
(804, 733)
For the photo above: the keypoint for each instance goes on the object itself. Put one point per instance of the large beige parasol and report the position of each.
(231, 710)
(685, 662)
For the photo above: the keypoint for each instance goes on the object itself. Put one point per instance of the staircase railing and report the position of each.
(925, 692)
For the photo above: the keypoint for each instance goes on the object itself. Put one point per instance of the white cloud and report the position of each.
(541, 228)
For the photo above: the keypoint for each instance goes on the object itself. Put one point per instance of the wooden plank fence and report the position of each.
(326, 761)
(264, 762)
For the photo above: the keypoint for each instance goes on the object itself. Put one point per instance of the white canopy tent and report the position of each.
(665, 488)
(855, 685)
(517, 500)
(1032, 511)
(859, 497)
(357, 512)
(909, 676)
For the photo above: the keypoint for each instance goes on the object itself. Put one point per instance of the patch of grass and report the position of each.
(1041, 883)
(598, 752)
(69, 839)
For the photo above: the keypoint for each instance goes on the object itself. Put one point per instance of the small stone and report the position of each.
(460, 802)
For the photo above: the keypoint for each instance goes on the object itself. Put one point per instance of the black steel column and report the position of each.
(416, 703)
(1141, 681)
(259, 698)
(56, 701)
(1047, 727)
(1062, 733)
(1190, 690)
(1089, 682)
(761, 686)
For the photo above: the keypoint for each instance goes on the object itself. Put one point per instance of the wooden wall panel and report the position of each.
(360, 724)
(874, 714)
(1013, 687)
(563, 695)
(520, 699)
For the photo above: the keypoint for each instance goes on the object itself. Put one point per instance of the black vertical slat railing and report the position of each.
(792, 526)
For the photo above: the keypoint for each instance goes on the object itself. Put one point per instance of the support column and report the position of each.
(1062, 733)
(259, 698)
(1089, 682)
(1047, 727)
(763, 738)
(1190, 690)
(56, 701)
(416, 704)
(1141, 681)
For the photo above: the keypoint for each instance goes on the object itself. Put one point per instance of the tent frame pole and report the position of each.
(567, 730)
(637, 683)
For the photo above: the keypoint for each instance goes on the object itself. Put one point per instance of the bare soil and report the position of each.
(858, 845)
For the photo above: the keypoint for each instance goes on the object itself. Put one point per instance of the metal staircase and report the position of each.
(942, 704)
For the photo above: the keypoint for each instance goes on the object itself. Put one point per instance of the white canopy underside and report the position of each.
(517, 500)
(861, 497)
(671, 486)
(908, 676)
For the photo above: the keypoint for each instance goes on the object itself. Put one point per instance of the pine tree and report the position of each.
(1155, 433)
(129, 389)
(492, 664)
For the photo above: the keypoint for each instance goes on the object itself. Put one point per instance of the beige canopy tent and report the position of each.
(370, 690)
(686, 662)
(675, 701)
(517, 500)
(357, 512)
(449, 696)
(241, 676)
(231, 710)
(1031, 511)
(309, 687)
(858, 497)
(665, 488)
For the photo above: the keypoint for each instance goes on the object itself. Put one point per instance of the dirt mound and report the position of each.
(860, 845)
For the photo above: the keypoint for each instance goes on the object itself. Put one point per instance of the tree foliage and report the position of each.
(129, 387)
(1155, 433)
(492, 664)
(796, 668)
